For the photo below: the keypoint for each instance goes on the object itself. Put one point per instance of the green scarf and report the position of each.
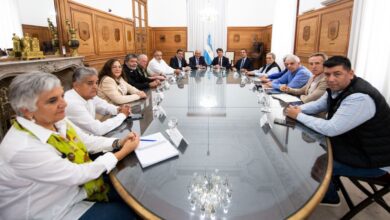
(76, 152)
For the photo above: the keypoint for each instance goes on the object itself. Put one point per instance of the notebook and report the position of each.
(286, 98)
(155, 150)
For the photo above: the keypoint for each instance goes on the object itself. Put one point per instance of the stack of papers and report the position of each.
(286, 98)
(154, 149)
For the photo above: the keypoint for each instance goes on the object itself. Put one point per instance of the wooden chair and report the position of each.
(374, 194)
(230, 56)
(187, 56)
(6, 112)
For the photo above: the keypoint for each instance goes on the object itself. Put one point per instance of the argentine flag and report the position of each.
(208, 51)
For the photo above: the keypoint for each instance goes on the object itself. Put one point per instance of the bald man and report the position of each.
(197, 61)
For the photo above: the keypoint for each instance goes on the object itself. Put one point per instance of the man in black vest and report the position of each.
(357, 124)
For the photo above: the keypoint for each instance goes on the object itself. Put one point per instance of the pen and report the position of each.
(151, 140)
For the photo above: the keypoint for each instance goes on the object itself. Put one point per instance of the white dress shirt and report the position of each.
(37, 183)
(83, 113)
(159, 66)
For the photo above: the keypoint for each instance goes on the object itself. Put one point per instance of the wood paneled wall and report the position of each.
(102, 35)
(168, 40)
(244, 37)
(326, 30)
(40, 32)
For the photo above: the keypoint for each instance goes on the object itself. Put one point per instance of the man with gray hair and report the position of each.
(296, 76)
(83, 104)
(135, 76)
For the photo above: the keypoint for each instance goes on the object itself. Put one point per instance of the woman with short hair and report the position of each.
(46, 171)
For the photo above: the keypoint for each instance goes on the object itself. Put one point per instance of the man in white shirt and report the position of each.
(83, 104)
(157, 66)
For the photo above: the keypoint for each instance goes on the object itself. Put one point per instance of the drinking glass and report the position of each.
(172, 123)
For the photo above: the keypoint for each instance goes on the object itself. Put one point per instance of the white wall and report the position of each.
(283, 29)
(250, 12)
(306, 5)
(122, 8)
(173, 13)
(167, 13)
(36, 12)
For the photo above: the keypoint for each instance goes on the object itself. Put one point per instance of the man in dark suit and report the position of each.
(178, 61)
(135, 76)
(197, 61)
(221, 60)
(244, 64)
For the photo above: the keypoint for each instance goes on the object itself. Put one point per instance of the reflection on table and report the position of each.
(272, 171)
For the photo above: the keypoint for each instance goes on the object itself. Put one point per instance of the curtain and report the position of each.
(369, 47)
(9, 22)
(283, 29)
(199, 27)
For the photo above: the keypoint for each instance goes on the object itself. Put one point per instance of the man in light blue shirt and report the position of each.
(357, 124)
(296, 76)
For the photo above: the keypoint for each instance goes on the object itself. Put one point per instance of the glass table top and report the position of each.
(270, 170)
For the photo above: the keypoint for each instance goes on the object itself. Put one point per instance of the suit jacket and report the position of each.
(247, 65)
(117, 92)
(225, 62)
(202, 62)
(136, 78)
(311, 91)
(174, 63)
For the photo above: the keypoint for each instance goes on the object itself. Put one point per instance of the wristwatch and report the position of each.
(115, 145)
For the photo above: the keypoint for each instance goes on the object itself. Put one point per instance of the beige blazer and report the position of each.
(309, 93)
(117, 94)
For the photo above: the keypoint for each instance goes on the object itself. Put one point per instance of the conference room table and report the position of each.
(268, 171)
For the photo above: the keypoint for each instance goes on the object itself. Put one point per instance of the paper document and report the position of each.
(286, 98)
(154, 149)
(175, 135)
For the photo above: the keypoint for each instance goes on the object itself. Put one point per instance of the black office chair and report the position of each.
(374, 194)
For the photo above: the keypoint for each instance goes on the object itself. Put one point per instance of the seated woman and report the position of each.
(112, 86)
(46, 171)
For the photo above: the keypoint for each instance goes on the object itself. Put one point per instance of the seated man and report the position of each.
(178, 62)
(269, 68)
(357, 123)
(83, 104)
(158, 67)
(244, 64)
(135, 77)
(268, 78)
(197, 61)
(221, 60)
(142, 61)
(296, 76)
(316, 86)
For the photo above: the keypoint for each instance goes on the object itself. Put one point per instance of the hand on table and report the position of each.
(125, 109)
(292, 111)
(141, 94)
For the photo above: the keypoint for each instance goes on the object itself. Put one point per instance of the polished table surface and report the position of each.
(271, 169)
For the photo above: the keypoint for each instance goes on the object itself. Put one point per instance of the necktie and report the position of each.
(242, 63)
(197, 61)
(179, 63)
(220, 61)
